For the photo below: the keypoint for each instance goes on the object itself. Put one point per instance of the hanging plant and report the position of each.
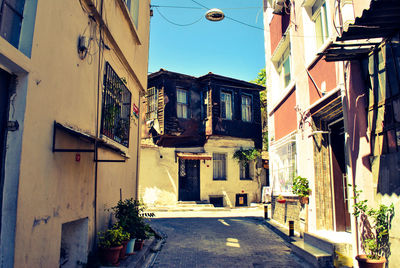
(245, 156)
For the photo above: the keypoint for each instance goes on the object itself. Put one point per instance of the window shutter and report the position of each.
(160, 109)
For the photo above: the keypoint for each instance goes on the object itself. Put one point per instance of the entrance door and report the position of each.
(342, 215)
(189, 180)
(4, 106)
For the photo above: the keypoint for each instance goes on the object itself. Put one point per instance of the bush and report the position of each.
(111, 238)
(300, 186)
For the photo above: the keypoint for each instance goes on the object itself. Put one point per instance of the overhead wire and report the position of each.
(177, 24)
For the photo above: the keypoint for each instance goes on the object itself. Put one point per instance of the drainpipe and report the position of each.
(96, 165)
(137, 153)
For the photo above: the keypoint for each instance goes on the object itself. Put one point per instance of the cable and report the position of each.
(200, 4)
(227, 8)
(177, 24)
(249, 25)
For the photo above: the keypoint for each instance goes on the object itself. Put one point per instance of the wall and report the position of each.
(285, 116)
(159, 181)
(54, 188)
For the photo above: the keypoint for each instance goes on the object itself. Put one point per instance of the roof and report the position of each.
(381, 20)
(208, 77)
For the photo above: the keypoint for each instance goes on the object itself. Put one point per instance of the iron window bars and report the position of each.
(116, 111)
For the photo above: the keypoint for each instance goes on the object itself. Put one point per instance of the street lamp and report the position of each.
(215, 14)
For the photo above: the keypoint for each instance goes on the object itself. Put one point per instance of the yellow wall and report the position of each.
(53, 187)
(159, 180)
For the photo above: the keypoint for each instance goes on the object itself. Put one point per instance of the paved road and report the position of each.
(221, 242)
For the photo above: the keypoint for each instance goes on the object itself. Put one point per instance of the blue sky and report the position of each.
(227, 48)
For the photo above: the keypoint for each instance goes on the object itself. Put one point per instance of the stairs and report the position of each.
(322, 252)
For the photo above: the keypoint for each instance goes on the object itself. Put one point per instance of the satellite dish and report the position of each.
(215, 14)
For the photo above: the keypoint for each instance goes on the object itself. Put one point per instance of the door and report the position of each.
(4, 107)
(189, 180)
(338, 166)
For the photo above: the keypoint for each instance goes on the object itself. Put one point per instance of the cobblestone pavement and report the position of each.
(221, 242)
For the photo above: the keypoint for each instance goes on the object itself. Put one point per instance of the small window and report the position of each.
(133, 7)
(245, 171)
(11, 15)
(219, 166)
(226, 105)
(181, 103)
(319, 15)
(152, 97)
(246, 108)
(284, 68)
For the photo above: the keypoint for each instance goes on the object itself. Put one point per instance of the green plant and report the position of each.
(301, 186)
(245, 156)
(375, 237)
(111, 237)
(130, 215)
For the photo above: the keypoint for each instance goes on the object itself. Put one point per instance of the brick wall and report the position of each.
(289, 211)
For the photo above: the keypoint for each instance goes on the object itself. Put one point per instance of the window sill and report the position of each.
(319, 50)
(222, 179)
(246, 179)
(116, 145)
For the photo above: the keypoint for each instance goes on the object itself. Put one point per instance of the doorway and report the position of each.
(189, 180)
(339, 176)
(5, 79)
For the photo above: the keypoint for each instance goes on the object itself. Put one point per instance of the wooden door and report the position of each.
(189, 180)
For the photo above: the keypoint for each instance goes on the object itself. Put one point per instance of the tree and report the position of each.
(261, 80)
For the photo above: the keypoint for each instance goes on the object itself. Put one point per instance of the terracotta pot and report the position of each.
(110, 255)
(364, 262)
(282, 201)
(122, 253)
(139, 244)
(304, 200)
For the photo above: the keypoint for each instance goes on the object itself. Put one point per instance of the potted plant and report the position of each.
(125, 240)
(281, 199)
(143, 232)
(374, 237)
(301, 189)
(110, 243)
(130, 215)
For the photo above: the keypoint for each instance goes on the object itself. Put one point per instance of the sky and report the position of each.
(226, 47)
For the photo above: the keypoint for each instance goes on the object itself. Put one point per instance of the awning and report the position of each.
(194, 156)
(381, 20)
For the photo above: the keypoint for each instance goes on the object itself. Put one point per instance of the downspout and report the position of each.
(97, 128)
(137, 152)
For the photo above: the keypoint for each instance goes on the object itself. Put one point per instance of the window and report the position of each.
(219, 166)
(11, 15)
(206, 104)
(133, 6)
(284, 68)
(226, 105)
(246, 108)
(245, 171)
(319, 16)
(116, 108)
(284, 166)
(181, 103)
(152, 104)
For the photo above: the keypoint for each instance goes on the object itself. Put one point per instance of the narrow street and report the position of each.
(221, 242)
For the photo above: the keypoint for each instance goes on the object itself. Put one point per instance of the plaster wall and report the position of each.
(54, 188)
(159, 180)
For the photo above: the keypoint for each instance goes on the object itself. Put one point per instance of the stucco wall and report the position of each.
(159, 180)
(54, 188)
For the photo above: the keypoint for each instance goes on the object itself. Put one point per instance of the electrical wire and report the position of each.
(186, 7)
(177, 24)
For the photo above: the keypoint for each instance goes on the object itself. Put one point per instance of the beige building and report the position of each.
(193, 128)
(71, 73)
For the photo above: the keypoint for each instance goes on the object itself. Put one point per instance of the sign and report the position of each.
(135, 111)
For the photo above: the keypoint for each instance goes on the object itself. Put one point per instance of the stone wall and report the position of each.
(289, 211)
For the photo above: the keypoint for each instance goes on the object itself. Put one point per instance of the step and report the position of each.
(319, 242)
(314, 256)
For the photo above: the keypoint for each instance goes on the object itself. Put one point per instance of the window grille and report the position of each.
(116, 111)
(152, 103)
(11, 15)
(219, 166)
(181, 103)
(246, 108)
(226, 105)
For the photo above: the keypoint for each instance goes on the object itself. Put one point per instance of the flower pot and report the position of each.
(364, 262)
(110, 255)
(139, 244)
(303, 200)
(122, 253)
(130, 247)
(282, 201)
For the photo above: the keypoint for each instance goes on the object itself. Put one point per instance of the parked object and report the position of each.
(110, 243)
(375, 236)
(130, 247)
